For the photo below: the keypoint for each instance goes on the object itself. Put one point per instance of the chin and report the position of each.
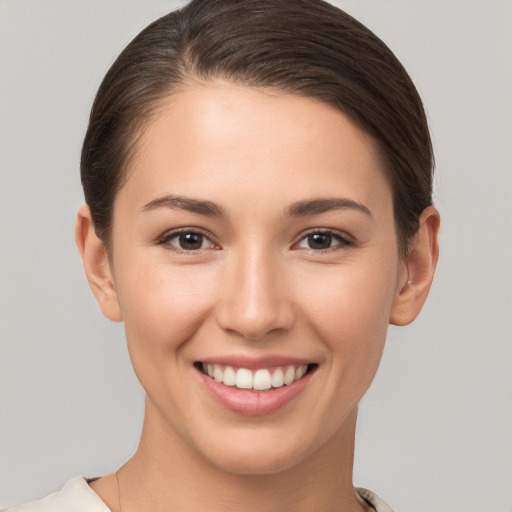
(257, 462)
(257, 452)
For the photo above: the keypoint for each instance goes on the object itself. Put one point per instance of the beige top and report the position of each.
(77, 496)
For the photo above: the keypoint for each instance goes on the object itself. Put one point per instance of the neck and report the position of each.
(167, 474)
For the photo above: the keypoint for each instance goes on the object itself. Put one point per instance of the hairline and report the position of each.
(190, 79)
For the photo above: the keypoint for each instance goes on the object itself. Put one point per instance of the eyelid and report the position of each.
(168, 235)
(345, 240)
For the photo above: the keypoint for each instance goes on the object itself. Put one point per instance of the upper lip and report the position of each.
(254, 363)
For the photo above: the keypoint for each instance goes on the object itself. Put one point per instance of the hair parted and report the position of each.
(306, 47)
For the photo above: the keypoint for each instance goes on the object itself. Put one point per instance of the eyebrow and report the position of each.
(316, 206)
(207, 208)
(299, 208)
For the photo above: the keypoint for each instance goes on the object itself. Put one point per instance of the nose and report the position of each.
(254, 300)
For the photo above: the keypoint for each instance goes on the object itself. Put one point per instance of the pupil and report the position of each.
(319, 241)
(191, 241)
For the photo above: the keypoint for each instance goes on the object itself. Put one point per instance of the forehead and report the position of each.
(214, 138)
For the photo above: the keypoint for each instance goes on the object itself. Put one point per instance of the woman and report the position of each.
(258, 183)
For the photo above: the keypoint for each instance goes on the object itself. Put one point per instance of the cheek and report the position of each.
(162, 306)
(349, 308)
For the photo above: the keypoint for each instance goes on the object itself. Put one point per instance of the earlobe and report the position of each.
(97, 265)
(420, 268)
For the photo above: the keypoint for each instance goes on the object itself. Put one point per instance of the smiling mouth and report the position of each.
(262, 379)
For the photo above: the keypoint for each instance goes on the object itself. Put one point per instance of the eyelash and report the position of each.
(343, 240)
(167, 237)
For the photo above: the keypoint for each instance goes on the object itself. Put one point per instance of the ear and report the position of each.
(419, 269)
(97, 265)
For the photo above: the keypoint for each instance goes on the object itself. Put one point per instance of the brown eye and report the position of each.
(188, 241)
(319, 241)
(323, 241)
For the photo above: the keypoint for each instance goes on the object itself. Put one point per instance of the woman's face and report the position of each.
(254, 237)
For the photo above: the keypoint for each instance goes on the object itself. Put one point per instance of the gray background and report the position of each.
(435, 430)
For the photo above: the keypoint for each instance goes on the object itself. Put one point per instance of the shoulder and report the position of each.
(372, 499)
(75, 496)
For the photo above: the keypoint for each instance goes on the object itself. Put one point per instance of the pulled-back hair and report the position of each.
(305, 47)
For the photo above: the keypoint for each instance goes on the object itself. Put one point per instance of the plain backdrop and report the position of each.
(435, 429)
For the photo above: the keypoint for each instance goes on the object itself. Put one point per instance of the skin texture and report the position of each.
(254, 289)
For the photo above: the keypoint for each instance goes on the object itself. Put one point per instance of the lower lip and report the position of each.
(253, 403)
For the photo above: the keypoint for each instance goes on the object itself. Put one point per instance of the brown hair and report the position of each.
(307, 47)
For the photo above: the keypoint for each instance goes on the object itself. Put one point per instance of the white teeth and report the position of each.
(260, 380)
(244, 379)
(278, 378)
(229, 376)
(218, 374)
(301, 371)
(289, 376)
